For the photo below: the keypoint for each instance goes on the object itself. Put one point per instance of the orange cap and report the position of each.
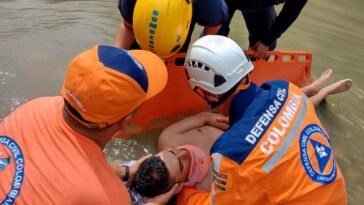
(104, 84)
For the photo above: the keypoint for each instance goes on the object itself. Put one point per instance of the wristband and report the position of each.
(126, 176)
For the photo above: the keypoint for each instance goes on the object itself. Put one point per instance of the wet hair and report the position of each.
(152, 178)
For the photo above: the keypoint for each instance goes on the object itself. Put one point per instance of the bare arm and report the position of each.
(196, 121)
(124, 36)
(120, 171)
(211, 30)
(179, 129)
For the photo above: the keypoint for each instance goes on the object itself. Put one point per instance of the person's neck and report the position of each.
(99, 136)
(224, 108)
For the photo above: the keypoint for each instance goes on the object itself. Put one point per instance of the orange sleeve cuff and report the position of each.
(190, 196)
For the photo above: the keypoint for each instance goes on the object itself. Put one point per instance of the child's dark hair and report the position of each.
(152, 178)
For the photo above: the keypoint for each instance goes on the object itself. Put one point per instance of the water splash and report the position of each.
(121, 150)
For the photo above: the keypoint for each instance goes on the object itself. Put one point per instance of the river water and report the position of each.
(39, 37)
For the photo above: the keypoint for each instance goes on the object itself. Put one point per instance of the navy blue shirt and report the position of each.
(205, 12)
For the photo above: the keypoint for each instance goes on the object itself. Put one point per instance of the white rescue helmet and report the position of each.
(216, 64)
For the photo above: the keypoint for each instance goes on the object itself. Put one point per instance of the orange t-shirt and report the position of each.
(44, 161)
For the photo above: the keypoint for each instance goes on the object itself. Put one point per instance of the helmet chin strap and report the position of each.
(223, 97)
(226, 95)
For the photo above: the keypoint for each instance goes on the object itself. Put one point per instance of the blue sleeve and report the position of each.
(210, 12)
(126, 8)
(289, 13)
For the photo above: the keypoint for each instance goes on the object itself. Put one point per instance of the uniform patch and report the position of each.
(18, 159)
(316, 155)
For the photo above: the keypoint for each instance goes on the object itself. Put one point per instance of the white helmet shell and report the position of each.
(216, 63)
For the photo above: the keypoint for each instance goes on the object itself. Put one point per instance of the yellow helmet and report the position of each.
(161, 26)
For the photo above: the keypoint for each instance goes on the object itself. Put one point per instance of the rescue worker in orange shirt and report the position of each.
(276, 150)
(51, 147)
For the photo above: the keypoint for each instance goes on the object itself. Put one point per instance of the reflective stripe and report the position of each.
(268, 166)
(213, 197)
(217, 163)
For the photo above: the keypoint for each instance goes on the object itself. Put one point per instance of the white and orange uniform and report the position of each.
(44, 161)
(275, 152)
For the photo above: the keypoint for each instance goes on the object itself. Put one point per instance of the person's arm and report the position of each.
(125, 33)
(178, 129)
(118, 170)
(211, 30)
(198, 120)
(289, 13)
(164, 198)
(211, 18)
(121, 171)
(124, 36)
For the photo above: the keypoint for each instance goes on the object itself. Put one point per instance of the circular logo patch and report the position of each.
(18, 159)
(316, 155)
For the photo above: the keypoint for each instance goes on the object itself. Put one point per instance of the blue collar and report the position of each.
(241, 101)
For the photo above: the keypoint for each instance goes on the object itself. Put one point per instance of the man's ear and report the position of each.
(123, 123)
(120, 122)
(119, 126)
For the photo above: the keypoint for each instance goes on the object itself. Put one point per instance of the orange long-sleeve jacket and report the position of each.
(275, 152)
